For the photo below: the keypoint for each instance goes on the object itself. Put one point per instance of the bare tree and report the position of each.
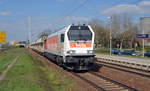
(116, 25)
(101, 33)
(124, 31)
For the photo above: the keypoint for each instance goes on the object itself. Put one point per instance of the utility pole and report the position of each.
(141, 23)
(29, 28)
(110, 37)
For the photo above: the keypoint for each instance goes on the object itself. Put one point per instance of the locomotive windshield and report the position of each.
(79, 33)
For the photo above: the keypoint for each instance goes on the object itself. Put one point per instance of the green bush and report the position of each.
(147, 48)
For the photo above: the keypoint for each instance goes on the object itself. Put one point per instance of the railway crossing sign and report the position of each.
(143, 36)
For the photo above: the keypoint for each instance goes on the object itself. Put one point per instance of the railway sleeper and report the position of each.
(115, 88)
(123, 90)
(119, 89)
(148, 68)
(112, 86)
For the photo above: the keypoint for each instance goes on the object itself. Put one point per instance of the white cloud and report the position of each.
(142, 8)
(144, 3)
(5, 13)
(122, 9)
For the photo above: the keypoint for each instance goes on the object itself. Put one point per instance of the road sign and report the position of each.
(2, 37)
(100, 45)
(143, 36)
(117, 45)
(110, 37)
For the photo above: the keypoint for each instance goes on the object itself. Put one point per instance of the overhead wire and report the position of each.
(74, 10)
(68, 14)
(77, 8)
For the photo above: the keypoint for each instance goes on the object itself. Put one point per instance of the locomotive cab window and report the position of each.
(80, 34)
(62, 37)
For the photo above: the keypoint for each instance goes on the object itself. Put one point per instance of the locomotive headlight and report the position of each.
(90, 51)
(71, 51)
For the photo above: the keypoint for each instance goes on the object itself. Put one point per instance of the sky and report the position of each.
(54, 14)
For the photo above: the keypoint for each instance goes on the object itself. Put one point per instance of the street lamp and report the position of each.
(110, 37)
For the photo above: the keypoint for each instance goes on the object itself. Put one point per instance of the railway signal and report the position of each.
(117, 45)
(100, 45)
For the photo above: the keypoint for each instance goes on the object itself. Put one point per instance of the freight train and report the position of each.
(70, 47)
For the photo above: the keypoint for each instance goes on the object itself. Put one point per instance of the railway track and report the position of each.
(103, 83)
(139, 72)
(3, 49)
(98, 87)
(100, 82)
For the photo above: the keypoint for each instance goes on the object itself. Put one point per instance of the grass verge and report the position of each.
(7, 56)
(59, 81)
(56, 78)
(5, 61)
(22, 76)
(31, 75)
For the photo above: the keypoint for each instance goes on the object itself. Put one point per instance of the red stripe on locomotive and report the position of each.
(52, 43)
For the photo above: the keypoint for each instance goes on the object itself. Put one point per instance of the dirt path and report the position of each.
(2, 76)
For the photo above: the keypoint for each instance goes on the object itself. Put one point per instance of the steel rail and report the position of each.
(115, 82)
(99, 87)
(126, 69)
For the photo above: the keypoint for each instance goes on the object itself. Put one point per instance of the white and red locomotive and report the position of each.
(71, 47)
